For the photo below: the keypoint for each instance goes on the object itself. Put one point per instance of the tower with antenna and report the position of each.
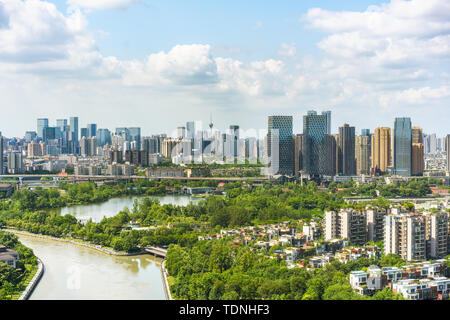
(211, 125)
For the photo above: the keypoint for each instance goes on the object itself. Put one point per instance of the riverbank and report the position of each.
(34, 281)
(164, 275)
(77, 242)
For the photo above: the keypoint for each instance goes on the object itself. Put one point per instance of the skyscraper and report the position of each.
(362, 154)
(417, 152)
(417, 135)
(61, 123)
(84, 133)
(447, 143)
(314, 143)
(103, 137)
(234, 135)
(402, 146)
(365, 132)
(328, 115)
(280, 147)
(381, 150)
(42, 123)
(298, 153)
(73, 137)
(92, 130)
(1, 154)
(346, 160)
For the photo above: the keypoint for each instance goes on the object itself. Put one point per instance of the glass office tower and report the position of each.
(315, 158)
(280, 146)
(402, 146)
(42, 123)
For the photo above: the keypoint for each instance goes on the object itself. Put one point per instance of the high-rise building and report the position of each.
(103, 137)
(135, 135)
(375, 224)
(298, 154)
(168, 147)
(84, 133)
(91, 130)
(362, 154)
(61, 123)
(280, 146)
(73, 137)
(402, 146)
(181, 132)
(190, 130)
(88, 146)
(381, 150)
(234, 135)
(315, 161)
(436, 233)
(34, 149)
(447, 143)
(150, 144)
(365, 132)
(346, 224)
(331, 154)
(404, 235)
(328, 115)
(430, 143)
(417, 135)
(417, 166)
(346, 151)
(15, 162)
(30, 136)
(1, 154)
(41, 124)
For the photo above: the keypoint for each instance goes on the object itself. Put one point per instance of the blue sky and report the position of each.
(255, 27)
(158, 64)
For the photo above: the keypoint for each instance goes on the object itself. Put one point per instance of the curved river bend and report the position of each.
(74, 272)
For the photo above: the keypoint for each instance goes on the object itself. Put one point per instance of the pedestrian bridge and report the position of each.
(156, 251)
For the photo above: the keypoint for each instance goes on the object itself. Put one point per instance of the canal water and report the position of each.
(74, 272)
(113, 206)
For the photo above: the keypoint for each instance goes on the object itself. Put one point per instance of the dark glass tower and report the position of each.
(92, 130)
(346, 153)
(402, 146)
(73, 135)
(315, 128)
(280, 146)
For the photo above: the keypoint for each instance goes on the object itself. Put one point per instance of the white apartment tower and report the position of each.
(404, 235)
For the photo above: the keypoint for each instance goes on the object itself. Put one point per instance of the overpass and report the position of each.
(133, 177)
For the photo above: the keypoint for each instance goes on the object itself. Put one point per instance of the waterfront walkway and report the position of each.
(84, 244)
(33, 283)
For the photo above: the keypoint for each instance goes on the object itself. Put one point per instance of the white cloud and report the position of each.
(365, 65)
(182, 65)
(103, 4)
(287, 50)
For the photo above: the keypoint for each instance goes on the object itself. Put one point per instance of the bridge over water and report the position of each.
(156, 251)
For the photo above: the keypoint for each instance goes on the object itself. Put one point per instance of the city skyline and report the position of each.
(105, 61)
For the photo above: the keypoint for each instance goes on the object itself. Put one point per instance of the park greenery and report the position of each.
(212, 270)
(14, 281)
(207, 269)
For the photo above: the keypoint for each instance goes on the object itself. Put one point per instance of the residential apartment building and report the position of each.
(375, 224)
(404, 235)
(346, 224)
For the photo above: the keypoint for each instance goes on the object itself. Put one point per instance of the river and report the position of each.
(74, 272)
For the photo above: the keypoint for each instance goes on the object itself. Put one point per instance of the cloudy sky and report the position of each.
(159, 63)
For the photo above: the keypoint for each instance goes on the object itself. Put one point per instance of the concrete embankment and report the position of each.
(33, 283)
(92, 246)
(164, 275)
